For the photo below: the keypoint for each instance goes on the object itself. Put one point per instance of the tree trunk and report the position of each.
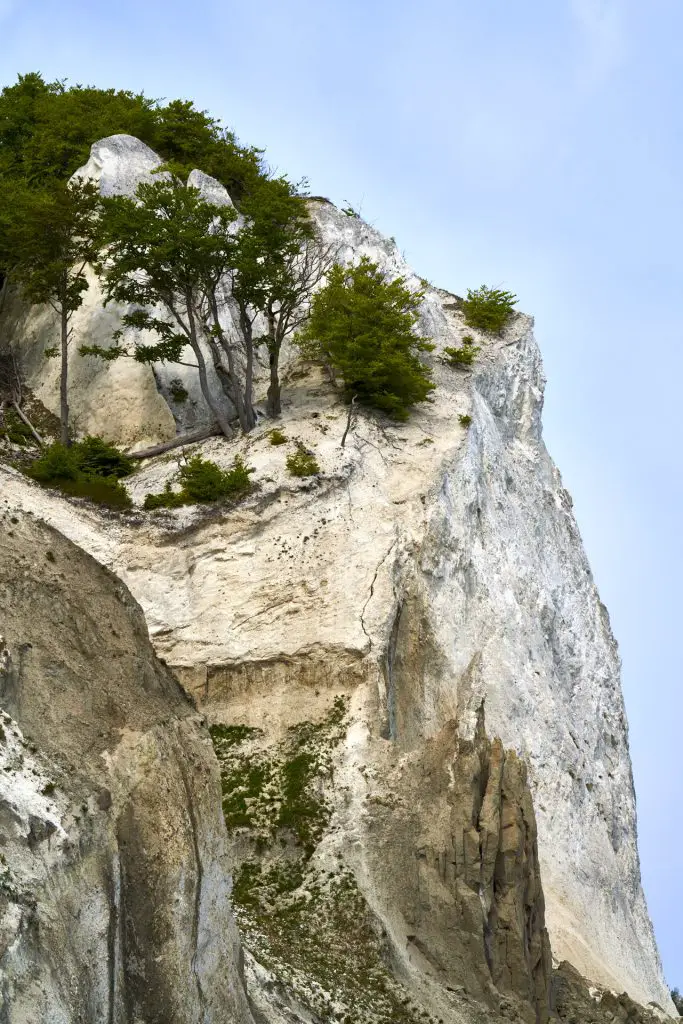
(192, 436)
(64, 375)
(26, 421)
(248, 336)
(348, 420)
(221, 418)
(273, 406)
(229, 379)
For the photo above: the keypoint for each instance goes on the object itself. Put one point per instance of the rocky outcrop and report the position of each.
(574, 1000)
(456, 851)
(375, 885)
(114, 893)
(429, 566)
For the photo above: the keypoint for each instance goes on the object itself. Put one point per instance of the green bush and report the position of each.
(363, 325)
(463, 356)
(103, 490)
(164, 499)
(277, 437)
(203, 482)
(488, 309)
(94, 455)
(464, 420)
(302, 462)
(88, 469)
(57, 463)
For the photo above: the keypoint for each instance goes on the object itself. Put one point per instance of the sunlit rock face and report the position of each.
(431, 566)
(118, 164)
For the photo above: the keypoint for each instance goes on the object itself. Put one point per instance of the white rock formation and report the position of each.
(432, 565)
(123, 400)
(118, 164)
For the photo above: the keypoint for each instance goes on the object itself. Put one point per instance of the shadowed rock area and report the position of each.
(459, 849)
(113, 895)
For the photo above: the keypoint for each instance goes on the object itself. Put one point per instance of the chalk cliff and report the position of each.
(431, 576)
(114, 894)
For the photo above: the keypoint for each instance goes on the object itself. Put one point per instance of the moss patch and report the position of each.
(313, 929)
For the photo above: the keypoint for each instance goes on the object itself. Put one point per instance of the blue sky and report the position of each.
(531, 145)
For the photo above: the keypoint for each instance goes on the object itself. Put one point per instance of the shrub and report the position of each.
(277, 437)
(464, 420)
(463, 356)
(363, 325)
(164, 499)
(203, 482)
(179, 392)
(88, 469)
(488, 309)
(302, 462)
(94, 455)
(103, 490)
(57, 463)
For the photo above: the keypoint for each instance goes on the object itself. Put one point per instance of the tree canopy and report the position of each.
(363, 325)
(47, 129)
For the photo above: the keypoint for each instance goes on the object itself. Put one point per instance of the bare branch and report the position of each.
(348, 420)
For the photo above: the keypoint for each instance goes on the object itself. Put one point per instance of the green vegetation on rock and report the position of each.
(463, 356)
(311, 927)
(178, 391)
(488, 309)
(203, 482)
(302, 462)
(90, 468)
(362, 325)
(47, 128)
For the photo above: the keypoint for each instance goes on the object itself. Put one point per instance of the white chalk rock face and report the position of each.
(211, 190)
(434, 564)
(118, 164)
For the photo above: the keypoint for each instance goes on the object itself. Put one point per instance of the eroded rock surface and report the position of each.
(377, 886)
(429, 566)
(114, 893)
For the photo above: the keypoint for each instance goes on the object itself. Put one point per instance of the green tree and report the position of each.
(362, 325)
(488, 309)
(47, 129)
(280, 259)
(169, 247)
(48, 237)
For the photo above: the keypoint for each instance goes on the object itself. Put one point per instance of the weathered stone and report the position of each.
(429, 566)
(104, 918)
(472, 896)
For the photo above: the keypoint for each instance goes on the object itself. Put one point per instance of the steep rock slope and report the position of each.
(114, 895)
(428, 567)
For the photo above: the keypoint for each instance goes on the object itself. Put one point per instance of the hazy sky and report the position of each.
(534, 145)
